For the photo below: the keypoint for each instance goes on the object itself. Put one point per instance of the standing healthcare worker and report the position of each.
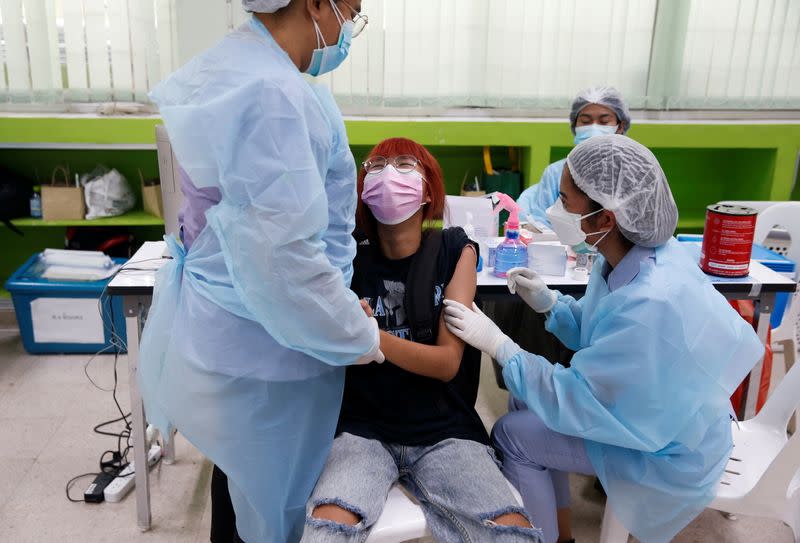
(645, 404)
(252, 323)
(596, 111)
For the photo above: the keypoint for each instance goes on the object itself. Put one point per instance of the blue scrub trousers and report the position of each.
(537, 461)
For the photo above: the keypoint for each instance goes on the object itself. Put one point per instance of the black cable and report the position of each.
(97, 430)
(119, 458)
(125, 434)
(70, 483)
(130, 268)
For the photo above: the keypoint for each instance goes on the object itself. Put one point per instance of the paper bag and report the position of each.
(62, 200)
(151, 196)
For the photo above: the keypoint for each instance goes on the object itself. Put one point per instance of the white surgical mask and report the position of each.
(583, 133)
(567, 227)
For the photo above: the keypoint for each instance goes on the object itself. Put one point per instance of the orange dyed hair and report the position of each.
(394, 147)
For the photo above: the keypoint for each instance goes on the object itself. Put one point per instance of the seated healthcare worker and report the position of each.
(596, 111)
(252, 321)
(645, 404)
(412, 419)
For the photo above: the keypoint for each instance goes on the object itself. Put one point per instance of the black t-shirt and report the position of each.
(388, 403)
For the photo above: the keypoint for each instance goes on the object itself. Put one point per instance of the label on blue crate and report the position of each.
(67, 320)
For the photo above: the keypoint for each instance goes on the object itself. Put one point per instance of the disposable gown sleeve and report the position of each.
(272, 219)
(340, 186)
(613, 392)
(535, 200)
(564, 321)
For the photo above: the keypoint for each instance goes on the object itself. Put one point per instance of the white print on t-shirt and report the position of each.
(437, 296)
(393, 302)
(390, 312)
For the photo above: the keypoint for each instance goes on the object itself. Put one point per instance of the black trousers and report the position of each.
(223, 517)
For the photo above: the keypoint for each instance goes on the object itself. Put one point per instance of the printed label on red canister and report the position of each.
(728, 240)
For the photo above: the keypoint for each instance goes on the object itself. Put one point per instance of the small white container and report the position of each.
(547, 259)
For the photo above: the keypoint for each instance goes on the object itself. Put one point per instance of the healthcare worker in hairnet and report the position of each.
(252, 321)
(645, 404)
(596, 111)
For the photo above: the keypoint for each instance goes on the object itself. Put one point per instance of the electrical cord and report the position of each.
(119, 457)
(129, 268)
(72, 481)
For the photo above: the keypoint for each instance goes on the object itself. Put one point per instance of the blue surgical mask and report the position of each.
(584, 248)
(583, 133)
(327, 58)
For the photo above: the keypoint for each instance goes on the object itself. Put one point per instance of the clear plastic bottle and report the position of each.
(512, 253)
(36, 203)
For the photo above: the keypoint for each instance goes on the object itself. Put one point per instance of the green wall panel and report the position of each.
(705, 162)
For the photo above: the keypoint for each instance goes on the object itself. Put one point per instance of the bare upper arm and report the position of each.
(462, 287)
(464, 282)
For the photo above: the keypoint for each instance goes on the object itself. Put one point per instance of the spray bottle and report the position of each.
(512, 253)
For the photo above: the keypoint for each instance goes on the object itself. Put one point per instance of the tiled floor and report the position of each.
(48, 408)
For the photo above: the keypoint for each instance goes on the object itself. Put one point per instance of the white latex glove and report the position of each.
(375, 355)
(531, 289)
(473, 327)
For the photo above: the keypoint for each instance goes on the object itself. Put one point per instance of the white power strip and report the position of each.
(124, 482)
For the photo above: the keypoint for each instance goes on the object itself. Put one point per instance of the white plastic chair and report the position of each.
(402, 518)
(787, 216)
(763, 475)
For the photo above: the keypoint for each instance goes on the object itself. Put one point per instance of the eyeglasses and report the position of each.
(401, 163)
(359, 21)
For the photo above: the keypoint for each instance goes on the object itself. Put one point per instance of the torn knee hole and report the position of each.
(513, 519)
(339, 513)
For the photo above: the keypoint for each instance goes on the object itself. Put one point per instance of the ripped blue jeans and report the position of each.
(457, 482)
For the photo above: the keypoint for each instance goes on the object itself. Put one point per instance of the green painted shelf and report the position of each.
(134, 218)
(691, 222)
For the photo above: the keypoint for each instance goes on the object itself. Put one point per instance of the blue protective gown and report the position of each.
(247, 338)
(648, 388)
(535, 200)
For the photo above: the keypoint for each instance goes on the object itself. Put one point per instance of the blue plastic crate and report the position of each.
(68, 315)
(773, 261)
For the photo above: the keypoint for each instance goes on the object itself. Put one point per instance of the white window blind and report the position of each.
(513, 55)
(74, 51)
(741, 54)
(503, 53)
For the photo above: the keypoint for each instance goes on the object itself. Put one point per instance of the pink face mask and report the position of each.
(392, 196)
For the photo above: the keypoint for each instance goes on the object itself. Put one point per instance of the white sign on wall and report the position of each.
(67, 320)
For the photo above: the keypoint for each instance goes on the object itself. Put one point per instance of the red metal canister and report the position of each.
(728, 240)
